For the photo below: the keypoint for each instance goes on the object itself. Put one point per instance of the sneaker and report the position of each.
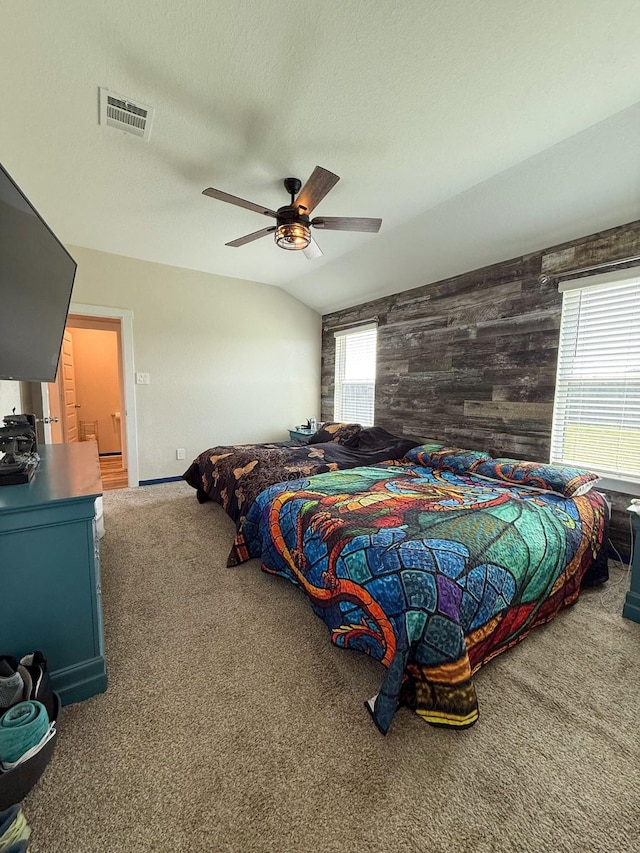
(14, 830)
(7, 817)
(12, 683)
(35, 665)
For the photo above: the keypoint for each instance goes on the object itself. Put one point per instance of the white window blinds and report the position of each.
(355, 377)
(596, 418)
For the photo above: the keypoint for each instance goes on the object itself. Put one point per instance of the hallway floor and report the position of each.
(114, 476)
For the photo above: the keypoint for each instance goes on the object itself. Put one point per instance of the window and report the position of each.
(596, 418)
(355, 381)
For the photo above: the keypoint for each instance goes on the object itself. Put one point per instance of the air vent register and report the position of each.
(125, 114)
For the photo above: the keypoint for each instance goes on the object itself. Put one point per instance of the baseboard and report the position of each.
(631, 609)
(80, 681)
(159, 480)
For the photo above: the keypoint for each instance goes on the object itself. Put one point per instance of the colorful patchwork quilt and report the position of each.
(433, 573)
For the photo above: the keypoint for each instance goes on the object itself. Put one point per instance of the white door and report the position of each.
(70, 406)
(54, 424)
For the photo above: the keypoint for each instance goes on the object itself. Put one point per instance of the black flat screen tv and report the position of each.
(36, 280)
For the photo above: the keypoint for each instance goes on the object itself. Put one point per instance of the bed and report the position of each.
(434, 565)
(234, 475)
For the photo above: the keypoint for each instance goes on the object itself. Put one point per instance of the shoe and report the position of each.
(35, 665)
(13, 686)
(7, 817)
(14, 830)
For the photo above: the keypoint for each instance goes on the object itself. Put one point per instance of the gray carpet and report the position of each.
(232, 724)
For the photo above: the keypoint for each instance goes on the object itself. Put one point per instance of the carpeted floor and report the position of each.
(232, 724)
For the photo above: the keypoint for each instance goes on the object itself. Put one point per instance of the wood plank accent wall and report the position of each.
(471, 361)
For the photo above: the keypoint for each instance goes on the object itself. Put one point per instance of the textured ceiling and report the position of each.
(412, 103)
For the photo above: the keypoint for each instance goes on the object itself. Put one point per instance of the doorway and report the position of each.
(92, 398)
(87, 396)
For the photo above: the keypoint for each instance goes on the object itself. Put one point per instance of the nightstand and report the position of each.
(300, 434)
(632, 604)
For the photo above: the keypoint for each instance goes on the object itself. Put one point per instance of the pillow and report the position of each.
(371, 438)
(422, 454)
(567, 481)
(346, 434)
(379, 438)
(458, 461)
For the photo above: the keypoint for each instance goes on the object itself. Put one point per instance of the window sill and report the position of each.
(613, 484)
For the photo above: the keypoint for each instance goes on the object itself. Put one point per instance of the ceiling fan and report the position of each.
(293, 226)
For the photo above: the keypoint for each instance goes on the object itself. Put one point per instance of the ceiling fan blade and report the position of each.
(346, 223)
(318, 185)
(313, 250)
(241, 202)
(251, 237)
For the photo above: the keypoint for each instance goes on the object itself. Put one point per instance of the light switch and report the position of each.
(180, 453)
(143, 378)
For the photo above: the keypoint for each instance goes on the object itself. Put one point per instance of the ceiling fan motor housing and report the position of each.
(290, 213)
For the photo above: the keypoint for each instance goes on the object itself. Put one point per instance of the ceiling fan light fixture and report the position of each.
(293, 235)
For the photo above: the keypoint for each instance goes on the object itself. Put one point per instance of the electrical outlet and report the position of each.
(143, 379)
(180, 453)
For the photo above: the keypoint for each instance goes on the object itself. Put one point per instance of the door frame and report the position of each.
(125, 316)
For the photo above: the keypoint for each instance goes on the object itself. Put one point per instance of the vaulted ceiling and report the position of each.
(474, 129)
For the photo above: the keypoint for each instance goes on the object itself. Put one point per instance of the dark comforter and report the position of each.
(430, 572)
(234, 476)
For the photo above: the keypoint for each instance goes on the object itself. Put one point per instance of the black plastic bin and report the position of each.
(16, 783)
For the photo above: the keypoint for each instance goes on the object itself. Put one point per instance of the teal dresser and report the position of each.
(632, 604)
(50, 595)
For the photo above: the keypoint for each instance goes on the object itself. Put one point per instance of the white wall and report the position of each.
(231, 361)
(9, 398)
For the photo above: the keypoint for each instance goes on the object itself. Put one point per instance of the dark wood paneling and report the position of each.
(471, 360)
